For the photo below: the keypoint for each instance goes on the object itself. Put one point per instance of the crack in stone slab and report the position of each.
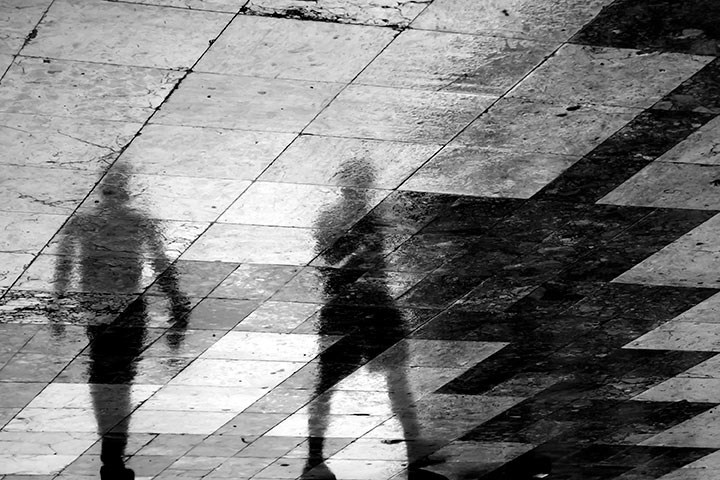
(385, 13)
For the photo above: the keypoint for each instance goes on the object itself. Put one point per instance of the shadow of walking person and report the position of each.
(369, 330)
(107, 249)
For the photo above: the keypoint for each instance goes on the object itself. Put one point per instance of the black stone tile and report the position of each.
(425, 252)
(621, 156)
(699, 93)
(438, 290)
(498, 293)
(650, 303)
(471, 215)
(649, 235)
(406, 211)
(689, 26)
(554, 297)
(670, 460)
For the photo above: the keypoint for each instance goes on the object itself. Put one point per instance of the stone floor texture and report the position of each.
(360, 239)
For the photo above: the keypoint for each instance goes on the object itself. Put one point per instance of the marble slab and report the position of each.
(702, 147)
(125, 34)
(548, 20)
(43, 190)
(607, 76)
(203, 152)
(454, 62)
(350, 162)
(245, 103)
(13, 264)
(74, 143)
(528, 126)
(27, 232)
(670, 185)
(332, 209)
(84, 90)
(163, 196)
(293, 49)
(398, 114)
(17, 19)
(488, 172)
(254, 244)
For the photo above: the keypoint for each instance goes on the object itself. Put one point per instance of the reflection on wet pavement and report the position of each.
(359, 240)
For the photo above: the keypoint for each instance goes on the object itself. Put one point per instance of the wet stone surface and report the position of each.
(359, 240)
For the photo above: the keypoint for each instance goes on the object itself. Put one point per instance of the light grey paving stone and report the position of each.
(550, 20)
(305, 206)
(123, 33)
(607, 76)
(17, 19)
(203, 152)
(670, 185)
(398, 114)
(246, 103)
(488, 172)
(84, 90)
(526, 126)
(454, 62)
(74, 143)
(43, 190)
(294, 49)
(702, 147)
(348, 162)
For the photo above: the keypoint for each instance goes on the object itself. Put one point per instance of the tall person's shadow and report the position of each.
(368, 334)
(107, 249)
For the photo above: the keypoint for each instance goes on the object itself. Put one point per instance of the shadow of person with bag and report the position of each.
(369, 329)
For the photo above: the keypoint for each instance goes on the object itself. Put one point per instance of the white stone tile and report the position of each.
(677, 265)
(149, 421)
(229, 6)
(670, 185)
(11, 266)
(268, 346)
(707, 311)
(27, 232)
(710, 368)
(245, 103)
(348, 162)
(203, 152)
(167, 197)
(126, 34)
(678, 335)
(5, 61)
(551, 20)
(203, 398)
(338, 426)
(365, 469)
(488, 172)
(84, 90)
(607, 76)
(687, 389)
(701, 147)
(398, 114)
(46, 443)
(454, 62)
(294, 49)
(525, 126)
(230, 372)
(254, 244)
(702, 431)
(54, 420)
(74, 143)
(305, 206)
(17, 19)
(23, 464)
(84, 396)
(43, 190)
